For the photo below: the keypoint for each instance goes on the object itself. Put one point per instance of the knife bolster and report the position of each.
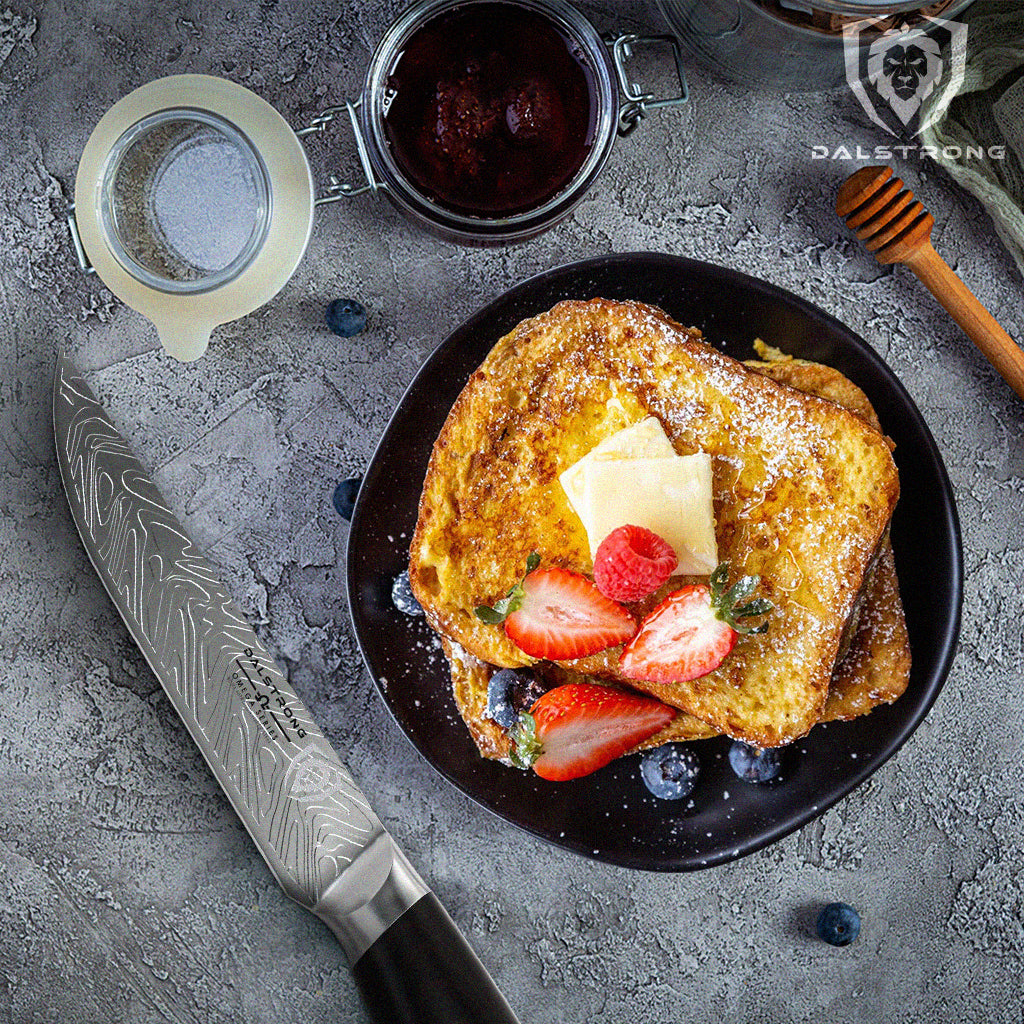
(369, 896)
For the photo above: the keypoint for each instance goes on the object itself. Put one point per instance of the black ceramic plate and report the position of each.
(610, 815)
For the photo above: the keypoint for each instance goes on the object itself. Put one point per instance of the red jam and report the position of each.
(491, 110)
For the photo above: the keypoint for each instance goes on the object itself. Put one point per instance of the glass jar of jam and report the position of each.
(489, 110)
(487, 120)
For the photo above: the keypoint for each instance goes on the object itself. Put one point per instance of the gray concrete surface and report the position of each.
(128, 889)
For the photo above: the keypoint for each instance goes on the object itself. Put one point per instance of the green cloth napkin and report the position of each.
(987, 112)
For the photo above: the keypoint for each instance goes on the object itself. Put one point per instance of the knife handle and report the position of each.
(422, 971)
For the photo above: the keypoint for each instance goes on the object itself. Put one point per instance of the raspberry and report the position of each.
(632, 562)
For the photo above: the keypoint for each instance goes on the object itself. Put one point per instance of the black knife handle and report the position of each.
(422, 971)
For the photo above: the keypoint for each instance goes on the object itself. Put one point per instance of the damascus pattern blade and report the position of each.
(294, 796)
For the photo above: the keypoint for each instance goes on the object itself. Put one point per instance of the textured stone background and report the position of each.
(128, 889)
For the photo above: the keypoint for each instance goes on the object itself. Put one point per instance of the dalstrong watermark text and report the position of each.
(906, 151)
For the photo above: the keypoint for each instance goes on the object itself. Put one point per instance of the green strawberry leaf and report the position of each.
(495, 614)
(727, 602)
(741, 590)
(492, 616)
(525, 748)
(761, 606)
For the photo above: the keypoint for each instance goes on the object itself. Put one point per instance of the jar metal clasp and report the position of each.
(637, 100)
(336, 190)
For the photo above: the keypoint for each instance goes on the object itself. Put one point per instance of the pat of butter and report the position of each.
(644, 483)
(646, 439)
(671, 496)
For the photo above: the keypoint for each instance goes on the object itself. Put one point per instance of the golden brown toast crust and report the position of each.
(803, 493)
(876, 667)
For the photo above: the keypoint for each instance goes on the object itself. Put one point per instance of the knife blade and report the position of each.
(321, 840)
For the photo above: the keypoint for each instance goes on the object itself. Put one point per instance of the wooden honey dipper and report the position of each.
(897, 229)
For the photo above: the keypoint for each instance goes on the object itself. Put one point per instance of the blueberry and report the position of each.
(753, 765)
(345, 496)
(402, 596)
(670, 771)
(346, 317)
(511, 691)
(838, 924)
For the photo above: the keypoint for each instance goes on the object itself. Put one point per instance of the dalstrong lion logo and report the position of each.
(905, 72)
(894, 74)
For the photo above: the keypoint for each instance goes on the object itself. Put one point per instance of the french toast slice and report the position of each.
(875, 666)
(874, 670)
(803, 492)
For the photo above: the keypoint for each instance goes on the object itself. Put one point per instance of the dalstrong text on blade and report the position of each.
(260, 698)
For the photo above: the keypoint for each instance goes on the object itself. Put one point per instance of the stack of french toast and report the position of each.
(802, 487)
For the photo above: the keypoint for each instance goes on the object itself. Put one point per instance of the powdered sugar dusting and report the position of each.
(802, 490)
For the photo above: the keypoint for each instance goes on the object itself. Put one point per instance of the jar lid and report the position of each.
(194, 203)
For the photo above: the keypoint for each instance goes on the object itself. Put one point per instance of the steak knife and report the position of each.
(327, 849)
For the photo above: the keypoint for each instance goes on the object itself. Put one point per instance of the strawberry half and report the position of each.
(563, 615)
(577, 728)
(557, 614)
(690, 633)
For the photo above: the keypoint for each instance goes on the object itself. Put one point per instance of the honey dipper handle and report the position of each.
(963, 306)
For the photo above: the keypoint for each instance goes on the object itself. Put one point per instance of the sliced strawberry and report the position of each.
(577, 728)
(632, 562)
(562, 615)
(690, 633)
(680, 640)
